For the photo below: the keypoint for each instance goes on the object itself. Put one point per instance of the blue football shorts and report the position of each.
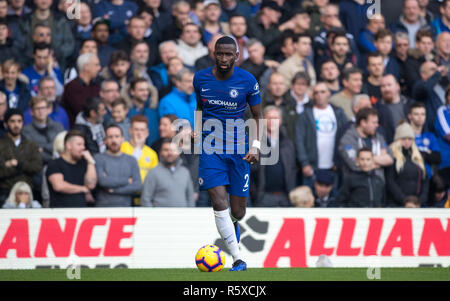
(229, 170)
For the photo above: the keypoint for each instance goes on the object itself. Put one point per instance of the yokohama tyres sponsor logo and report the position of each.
(66, 238)
(290, 241)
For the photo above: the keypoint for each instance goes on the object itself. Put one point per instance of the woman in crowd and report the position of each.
(407, 176)
(21, 196)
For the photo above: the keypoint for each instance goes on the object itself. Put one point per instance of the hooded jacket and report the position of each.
(361, 189)
(351, 142)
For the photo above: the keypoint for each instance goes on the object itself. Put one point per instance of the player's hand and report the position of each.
(87, 156)
(308, 171)
(252, 156)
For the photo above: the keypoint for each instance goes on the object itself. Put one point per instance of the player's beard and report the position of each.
(224, 70)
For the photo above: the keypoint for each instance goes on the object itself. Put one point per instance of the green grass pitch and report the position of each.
(254, 274)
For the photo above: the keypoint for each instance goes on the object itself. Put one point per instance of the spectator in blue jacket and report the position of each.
(366, 39)
(143, 104)
(159, 75)
(353, 15)
(181, 101)
(118, 12)
(442, 24)
(43, 65)
(17, 91)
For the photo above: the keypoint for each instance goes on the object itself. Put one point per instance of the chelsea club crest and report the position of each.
(234, 93)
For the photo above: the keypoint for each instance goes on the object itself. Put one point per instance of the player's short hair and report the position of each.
(40, 46)
(401, 35)
(135, 17)
(114, 125)
(236, 15)
(118, 55)
(373, 54)
(107, 81)
(191, 24)
(272, 108)
(135, 81)
(44, 79)
(340, 35)
(87, 40)
(72, 134)
(41, 24)
(301, 75)
(180, 73)
(226, 40)
(171, 117)
(415, 105)
(137, 43)
(364, 149)
(299, 36)
(286, 35)
(145, 9)
(138, 118)
(383, 33)
(364, 114)
(357, 98)
(119, 101)
(92, 103)
(38, 99)
(423, 33)
(166, 140)
(327, 61)
(83, 60)
(349, 71)
(165, 43)
(252, 42)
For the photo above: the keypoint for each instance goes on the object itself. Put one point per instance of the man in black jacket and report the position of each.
(273, 183)
(362, 188)
(20, 159)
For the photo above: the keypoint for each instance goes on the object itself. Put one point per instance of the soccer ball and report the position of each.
(210, 258)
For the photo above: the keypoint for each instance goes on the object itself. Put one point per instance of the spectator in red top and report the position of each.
(83, 86)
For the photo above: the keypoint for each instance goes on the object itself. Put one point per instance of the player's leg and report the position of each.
(223, 220)
(238, 205)
(239, 174)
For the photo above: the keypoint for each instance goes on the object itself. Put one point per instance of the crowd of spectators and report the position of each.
(355, 94)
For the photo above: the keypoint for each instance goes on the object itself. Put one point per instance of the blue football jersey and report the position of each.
(224, 100)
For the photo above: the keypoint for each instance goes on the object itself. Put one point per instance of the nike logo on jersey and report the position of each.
(204, 90)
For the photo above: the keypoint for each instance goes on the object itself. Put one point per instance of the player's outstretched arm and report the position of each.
(253, 154)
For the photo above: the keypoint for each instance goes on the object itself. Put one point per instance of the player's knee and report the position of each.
(238, 213)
